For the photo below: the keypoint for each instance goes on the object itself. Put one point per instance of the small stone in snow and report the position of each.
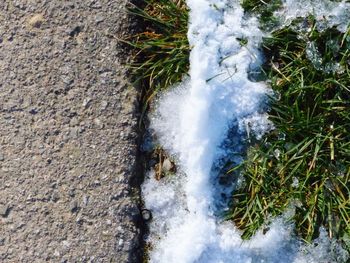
(167, 166)
(146, 215)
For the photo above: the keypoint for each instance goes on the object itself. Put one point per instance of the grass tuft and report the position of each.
(162, 50)
(305, 162)
(264, 9)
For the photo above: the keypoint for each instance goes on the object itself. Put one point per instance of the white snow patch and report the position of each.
(327, 13)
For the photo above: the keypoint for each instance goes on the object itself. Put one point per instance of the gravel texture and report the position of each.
(68, 134)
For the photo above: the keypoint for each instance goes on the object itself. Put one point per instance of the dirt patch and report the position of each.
(68, 134)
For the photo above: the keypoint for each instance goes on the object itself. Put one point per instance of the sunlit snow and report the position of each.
(192, 121)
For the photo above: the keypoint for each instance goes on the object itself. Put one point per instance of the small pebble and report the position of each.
(99, 19)
(104, 105)
(4, 210)
(74, 206)
(36, 21)
(146, 215)
(86, 102)
(167, 165)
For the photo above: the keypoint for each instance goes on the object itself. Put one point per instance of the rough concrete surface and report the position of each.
(68, 133)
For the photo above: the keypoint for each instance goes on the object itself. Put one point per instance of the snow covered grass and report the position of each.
(304, 164)
(162, 57)
(301, 167)
(264, 9)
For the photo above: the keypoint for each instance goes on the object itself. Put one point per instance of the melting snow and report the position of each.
(191, 122)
